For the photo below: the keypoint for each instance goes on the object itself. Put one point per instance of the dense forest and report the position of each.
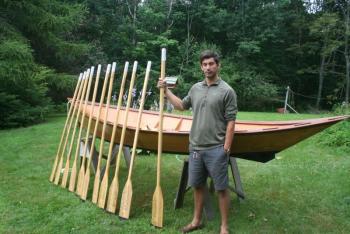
(265, 46)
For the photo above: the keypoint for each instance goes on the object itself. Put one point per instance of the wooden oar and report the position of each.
(69, 116)
(86, 181)
(157, 202)
(98, 170)
(104, 185)
(82, 166)
(125, 204)
(77, 109)
(73, 174)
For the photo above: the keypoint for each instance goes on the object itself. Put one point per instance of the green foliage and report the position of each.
(33, 33)
(337, 136)
(264, 45)
(254, 90)
(22, 88)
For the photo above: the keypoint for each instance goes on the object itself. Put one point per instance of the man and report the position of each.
(214, 108)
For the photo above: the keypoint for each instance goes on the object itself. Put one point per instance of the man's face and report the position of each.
(210, 68)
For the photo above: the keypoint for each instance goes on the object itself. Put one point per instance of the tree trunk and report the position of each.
(346, 52)
(320, 81)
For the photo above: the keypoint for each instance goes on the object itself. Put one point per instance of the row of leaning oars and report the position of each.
(104, 195)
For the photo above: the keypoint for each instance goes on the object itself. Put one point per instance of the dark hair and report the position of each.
(206, 54)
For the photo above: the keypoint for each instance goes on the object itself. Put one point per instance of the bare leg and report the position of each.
(195, 224)
(198, 195)
(224, 203)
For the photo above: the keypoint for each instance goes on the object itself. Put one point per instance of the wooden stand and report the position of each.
(126, 153)
(208, 207)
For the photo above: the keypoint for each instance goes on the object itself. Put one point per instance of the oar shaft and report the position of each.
(161, 107)
(97, 174)
(92, 146)
(121, 143)
(69, 116)
(82, 167)
(105, 117)
(83, 113)
(126, 198)
(139, 116)
(113, 190)
(113, 134)
(115, 123)
(57, 176)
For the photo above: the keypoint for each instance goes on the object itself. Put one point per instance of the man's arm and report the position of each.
(174, 100)
(229, 135)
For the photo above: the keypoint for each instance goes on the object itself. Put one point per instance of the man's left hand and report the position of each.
(227, 150)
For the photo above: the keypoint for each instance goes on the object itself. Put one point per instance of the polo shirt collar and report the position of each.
(217, 82)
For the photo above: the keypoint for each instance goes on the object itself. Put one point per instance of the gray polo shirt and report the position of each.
(212, 106)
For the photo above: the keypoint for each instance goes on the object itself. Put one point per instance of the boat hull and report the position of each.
(257, 141)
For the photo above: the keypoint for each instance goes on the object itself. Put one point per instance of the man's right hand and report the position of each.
(162, 84)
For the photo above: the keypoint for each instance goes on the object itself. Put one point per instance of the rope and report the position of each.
(306, 96)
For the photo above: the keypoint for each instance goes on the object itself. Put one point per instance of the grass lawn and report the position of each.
(305, 190)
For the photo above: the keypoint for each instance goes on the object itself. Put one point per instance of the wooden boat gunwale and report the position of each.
(292, 124)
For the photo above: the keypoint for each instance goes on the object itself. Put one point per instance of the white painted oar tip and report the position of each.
(135, 66)
(163, 54)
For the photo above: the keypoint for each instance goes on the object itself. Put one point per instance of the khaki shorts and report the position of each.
(211, 162)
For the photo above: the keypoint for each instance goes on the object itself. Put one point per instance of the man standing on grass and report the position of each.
(214, 107)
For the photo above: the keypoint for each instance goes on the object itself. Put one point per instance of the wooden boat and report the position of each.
(253, 140)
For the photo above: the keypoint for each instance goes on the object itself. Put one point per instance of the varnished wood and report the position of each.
(65, 128)
(98, 170)
(125, 204)
(74, 166)
(252, 138)
(58, 170)
(87, 175)
(82, 166)
(114, 184)
(102, 196)
(157, 201)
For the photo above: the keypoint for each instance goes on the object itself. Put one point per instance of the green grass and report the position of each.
(305, 190)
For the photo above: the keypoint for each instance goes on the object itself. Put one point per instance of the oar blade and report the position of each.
(125, 202)
(96, 187)
(103, 192)
(113, 196)
(85, 186)
(65, 175)
(73, 176)
(80, 180)
(58, 171)
(157, 208)
(52, 176)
